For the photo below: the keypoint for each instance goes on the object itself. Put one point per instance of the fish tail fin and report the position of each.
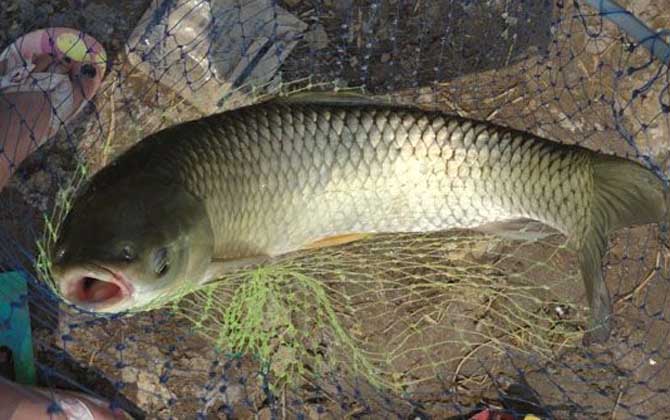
(625, 193)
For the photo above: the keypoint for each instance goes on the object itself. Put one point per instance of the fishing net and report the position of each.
(421, 325)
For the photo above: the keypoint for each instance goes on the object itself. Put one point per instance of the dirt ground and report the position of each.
(586, 86)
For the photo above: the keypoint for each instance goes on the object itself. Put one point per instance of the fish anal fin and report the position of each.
(334, 241)
(517, 229)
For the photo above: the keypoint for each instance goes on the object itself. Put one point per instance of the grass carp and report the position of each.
(194, 199)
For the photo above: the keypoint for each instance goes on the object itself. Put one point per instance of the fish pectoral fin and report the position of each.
(219, 267)
(334, 241)
(518, 229)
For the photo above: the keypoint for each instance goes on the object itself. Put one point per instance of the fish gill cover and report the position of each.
(428, 325)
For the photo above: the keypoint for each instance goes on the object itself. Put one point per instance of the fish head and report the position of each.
(124, 246)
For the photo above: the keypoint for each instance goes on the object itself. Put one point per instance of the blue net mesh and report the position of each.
(557, 69)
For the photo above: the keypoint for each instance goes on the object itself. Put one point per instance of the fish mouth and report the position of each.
(96, 289)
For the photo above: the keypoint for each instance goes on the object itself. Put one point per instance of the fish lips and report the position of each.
(96, 288)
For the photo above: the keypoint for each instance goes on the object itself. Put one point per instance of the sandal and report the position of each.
(46, 78)
(22, 402)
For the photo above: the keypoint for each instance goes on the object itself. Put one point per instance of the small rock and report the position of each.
(317, 38)
(311, 411)
(510, 20)
(264, 414)
(149, 390)
(234, 393)
(129, 374)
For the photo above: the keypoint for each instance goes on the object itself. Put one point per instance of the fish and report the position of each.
(189, 202)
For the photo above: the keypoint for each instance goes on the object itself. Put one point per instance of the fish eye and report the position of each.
(128, 253)
(161, 262)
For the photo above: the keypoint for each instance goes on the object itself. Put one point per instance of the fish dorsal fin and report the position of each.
(334, 241)
(339, 97)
